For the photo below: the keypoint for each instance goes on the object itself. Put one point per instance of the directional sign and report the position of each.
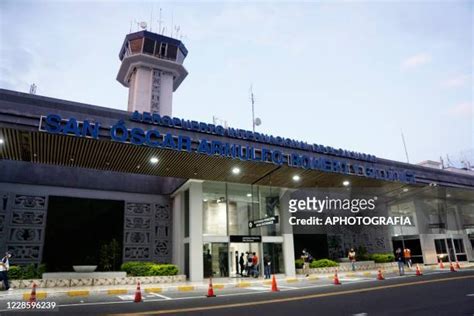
(263, 221)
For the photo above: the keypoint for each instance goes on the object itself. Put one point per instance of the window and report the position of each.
(440, 246)
(214, 207)
(458, 245)
(136, 45)
(241, 203)
(163, 49)
(148, 46)
(172, 52)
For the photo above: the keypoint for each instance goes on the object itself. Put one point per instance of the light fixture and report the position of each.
(205, 200)
(154, 160)
(405, 189)
(249, 194)
(448, 195)
(345, 183)
(235, 170)
(296, 178)
(1, 141)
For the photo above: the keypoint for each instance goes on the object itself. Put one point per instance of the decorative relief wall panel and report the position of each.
(137, 234)
(26, 227)
(162, 232)
(147, 234)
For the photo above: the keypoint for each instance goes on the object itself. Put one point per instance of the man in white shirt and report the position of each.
(4, 267)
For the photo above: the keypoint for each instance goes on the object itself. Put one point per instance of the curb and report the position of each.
(189, 288)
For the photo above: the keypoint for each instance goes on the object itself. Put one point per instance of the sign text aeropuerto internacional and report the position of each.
(119, 132)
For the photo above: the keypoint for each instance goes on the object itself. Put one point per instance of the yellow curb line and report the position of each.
(313, 278)
(267, 282)
(218, 286)
(78, 293)
(243, 284)
(117, 291)
(292, 280)
(153, 290)
(185, 288)
(39, 295)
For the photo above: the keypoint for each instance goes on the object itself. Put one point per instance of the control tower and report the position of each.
(152, 69)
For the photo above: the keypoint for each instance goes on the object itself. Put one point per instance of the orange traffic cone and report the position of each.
(441, 265)
(380, 275)
(336, 279)
(418, 271)
(138, 294)
(33, 294)
(451, 267)
(458, 266)
(274, 284)
(210, 290)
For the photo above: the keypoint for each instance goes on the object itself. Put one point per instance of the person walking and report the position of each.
(352, 258)
(242, 264)
(399, 258)
(305, 258)
(407, 256)
(255, 264)
(249, 264)
(267, 266)
(4, 267)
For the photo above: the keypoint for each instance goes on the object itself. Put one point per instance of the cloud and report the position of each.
(463, 109)
(455, 82)
(416, 60)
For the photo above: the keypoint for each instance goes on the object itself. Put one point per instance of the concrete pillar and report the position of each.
(195, 232)
(178, 232)
(287, 233)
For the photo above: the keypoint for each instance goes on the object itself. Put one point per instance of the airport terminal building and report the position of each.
(74, 177)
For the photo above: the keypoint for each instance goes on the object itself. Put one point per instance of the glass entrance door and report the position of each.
(216, 260)
(243, 266)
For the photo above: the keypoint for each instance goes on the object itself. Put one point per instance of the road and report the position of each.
(436, 293)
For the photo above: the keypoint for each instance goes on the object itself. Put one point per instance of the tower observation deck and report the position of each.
(152, 68)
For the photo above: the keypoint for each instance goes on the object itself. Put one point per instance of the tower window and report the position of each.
(148, 46)
(136, 45)
(172, 52)
(163, 49)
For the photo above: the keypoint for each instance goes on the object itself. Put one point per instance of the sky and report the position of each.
(347, 74)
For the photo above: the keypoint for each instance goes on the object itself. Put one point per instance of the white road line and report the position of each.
(470, 294)
(360, 314)
(287, 287)
(126, 297)
(257, 288)
(160, 295)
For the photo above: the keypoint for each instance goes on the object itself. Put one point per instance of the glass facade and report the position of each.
(228, 208)
(442, 223)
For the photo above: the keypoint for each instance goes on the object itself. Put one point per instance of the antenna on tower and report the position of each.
(172, 25)
(405, 146)
(33, 88)
(255, 121)
(177, 28)
(151, 18)
(159, 23)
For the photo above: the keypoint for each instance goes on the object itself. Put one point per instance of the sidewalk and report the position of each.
(218, 283)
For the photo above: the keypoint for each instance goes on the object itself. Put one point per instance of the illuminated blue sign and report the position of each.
(152, 137)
